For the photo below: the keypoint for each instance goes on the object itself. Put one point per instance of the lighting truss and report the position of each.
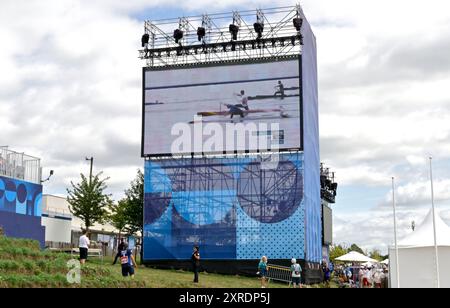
(279, 38)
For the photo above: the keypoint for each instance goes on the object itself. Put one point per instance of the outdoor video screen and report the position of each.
(222, 109)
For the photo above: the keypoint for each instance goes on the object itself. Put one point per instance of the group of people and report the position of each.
(362, 276)
(124, 253)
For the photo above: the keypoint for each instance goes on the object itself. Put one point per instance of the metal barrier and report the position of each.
(279, 273)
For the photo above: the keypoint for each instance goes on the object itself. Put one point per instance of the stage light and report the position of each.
(253, 44)
(293, 40)
(145, 39)
(298, 22)
(177, 35)
(168, 53)
(224, 47)
(244, 46)
(234, 31)
(195, 50)
(259, 28)
(282, 42)
(274, 42)
(334, 186)
(201, 32)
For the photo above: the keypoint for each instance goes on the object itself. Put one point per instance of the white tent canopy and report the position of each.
(386, 262)
(423, 236)
(417, 254)
(354, 256)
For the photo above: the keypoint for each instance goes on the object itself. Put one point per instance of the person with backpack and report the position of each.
(195, 258)
(296, 271)
(128, 262)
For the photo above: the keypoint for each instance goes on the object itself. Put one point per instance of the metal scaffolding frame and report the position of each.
(209, 39)
(260, 193)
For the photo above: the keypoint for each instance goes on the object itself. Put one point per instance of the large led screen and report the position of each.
(222, 109)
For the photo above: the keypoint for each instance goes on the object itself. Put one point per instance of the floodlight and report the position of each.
(177, 35)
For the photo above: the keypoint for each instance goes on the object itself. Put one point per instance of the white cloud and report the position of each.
(70, 88)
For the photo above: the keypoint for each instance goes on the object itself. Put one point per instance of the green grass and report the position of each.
(24, 265)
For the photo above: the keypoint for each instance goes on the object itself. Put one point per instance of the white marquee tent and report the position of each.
(357, 257)
(417, 266)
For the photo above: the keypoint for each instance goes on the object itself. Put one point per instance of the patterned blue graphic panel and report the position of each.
(233, 208)
(21, 209)
(20, 197)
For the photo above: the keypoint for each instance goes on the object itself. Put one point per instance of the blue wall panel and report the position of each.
(234, 208)
(21, 209)
(311, 145)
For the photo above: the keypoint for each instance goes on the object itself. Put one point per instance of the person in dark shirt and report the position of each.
(280, 89)
(128, 262)
(196, 262)
(120, 248)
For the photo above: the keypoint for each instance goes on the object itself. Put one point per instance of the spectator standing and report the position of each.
(326, 274)
(84, 246)
(377, 278)
(195, 258)
(296, 270)
(262, 271)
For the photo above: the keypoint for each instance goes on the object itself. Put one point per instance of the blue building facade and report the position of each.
(21, 209)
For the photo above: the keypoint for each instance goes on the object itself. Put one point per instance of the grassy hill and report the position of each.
(24, 265)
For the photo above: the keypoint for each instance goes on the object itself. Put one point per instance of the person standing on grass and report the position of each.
(296, 271)
(84, 246)
(326, 274)
(119, 249)
(262, 271)
(195, 258)
(128, 262)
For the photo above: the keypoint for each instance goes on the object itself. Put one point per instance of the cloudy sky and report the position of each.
(70, 87)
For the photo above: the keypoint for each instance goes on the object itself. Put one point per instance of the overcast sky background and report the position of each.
(70, 87)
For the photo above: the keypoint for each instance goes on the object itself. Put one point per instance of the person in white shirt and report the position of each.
(243, 100)
(296, 271)
(84, 246)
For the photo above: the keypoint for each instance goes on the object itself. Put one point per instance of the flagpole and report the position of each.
(395, 234)
(434, 225)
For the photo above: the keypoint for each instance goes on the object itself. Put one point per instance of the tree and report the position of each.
(134, 199)
(376, 254)
(118, 216)
(356, 248)
(337, 251)
(88, 200)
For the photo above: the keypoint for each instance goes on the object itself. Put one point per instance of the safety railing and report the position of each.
(279, 273)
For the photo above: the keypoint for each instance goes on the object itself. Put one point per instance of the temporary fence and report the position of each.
(279, 273)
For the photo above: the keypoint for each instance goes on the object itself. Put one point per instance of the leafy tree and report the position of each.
(88, 200)
(134, 204)
(376, 254)
(118, 216)
(134, 199)
(356, 248)
(337, 251)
